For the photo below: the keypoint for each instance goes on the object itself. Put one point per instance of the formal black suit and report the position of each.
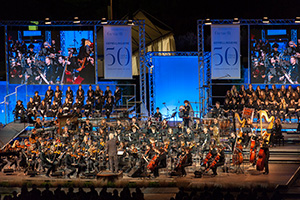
(111, 149)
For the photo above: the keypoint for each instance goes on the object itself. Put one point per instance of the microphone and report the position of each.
(164, 102)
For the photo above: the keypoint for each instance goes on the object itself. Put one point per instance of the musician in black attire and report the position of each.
(108, 106)
(111, 149)
(80, 90)
(67, 106)
(158, 114)
(47, 162)
(88, 108)
(87, 127)
(19, 110)
(161, 161)
(69, 91)
(220, 152)
(117, 95)
(36, 99)
(186, 113)
(80, 98)
(188, 161)
(31, 112)
(49, 71)
(69, 160)
(107, 91)
(265, 147)
(57, 98)
(43, 109)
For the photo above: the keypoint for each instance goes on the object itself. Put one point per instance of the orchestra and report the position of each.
(83, 146)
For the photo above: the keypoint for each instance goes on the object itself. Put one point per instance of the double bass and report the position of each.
(252, 151)
(260, 163)
(237, 157)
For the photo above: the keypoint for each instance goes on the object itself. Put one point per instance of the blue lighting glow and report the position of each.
(176, 79)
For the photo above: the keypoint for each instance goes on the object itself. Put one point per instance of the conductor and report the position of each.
(111, 150)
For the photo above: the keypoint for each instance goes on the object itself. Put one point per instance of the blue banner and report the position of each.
(225, 52)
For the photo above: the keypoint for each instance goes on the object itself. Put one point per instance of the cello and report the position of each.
(182, 159)
(153, 162)
(217, 158)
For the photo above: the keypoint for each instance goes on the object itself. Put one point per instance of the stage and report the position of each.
(280, 174)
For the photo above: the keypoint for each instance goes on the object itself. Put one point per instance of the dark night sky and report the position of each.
(181, 15)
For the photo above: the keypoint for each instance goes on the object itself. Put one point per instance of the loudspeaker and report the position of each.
(136, 171)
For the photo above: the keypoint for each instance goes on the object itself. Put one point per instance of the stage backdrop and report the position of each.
(176, 79)
(225, 51)
(117, 52)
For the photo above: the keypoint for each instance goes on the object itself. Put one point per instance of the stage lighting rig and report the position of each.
(103, 21)
(130, 22)
(266, 20)
(76, 20)
(47, 21)
(207, 21)
(297, 20)
(236, 20)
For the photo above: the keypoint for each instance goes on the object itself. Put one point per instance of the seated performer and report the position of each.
(19, 111)
(214, 159)
(216, 112)
(161, 161)
(219, 159)
(185, 160)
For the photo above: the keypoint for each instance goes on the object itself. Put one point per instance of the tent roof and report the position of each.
(154, 28)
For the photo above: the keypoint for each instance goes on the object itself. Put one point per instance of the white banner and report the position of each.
(117, 52)
(225, 52)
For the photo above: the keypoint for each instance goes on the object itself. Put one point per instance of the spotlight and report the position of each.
(76, 20)
(266, 20)
(47, 21)
(297, 20)
(236, 20)
(103, 21)
(130, 22)
(207, 21)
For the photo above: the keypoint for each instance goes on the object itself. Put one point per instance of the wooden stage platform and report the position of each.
(164, 186)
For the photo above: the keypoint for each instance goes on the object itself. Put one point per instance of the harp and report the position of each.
(270, 120)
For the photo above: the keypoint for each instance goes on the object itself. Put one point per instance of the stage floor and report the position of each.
(164, 186)
(279, 174)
